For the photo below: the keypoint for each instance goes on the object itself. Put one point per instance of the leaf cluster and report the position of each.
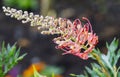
(9, 57)
(106, 63)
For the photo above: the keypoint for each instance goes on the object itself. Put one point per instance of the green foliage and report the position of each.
(106, 66)
(22, 4)
(51, 71)
(36, 74)
(9, 57)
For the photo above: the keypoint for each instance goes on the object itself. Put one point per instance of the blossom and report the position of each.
(77, 39)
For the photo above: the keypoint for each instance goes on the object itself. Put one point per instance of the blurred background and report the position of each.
(104, 16)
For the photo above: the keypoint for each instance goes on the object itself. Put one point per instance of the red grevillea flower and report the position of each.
(77, 39)
(74, 38)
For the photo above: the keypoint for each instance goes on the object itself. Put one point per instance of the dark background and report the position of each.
(104, 16)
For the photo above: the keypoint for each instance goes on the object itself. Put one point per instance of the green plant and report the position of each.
(106, 63)
(22, 4)
(50, 71)
(9, 57)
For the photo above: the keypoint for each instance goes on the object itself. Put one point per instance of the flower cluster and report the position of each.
(28, 17)
(48, 24)
(77, 39)
(74, 38)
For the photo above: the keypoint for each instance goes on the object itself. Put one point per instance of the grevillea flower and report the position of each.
(74, 38)
(77, 39)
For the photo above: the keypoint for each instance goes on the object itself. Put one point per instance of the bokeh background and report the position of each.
(104, 16)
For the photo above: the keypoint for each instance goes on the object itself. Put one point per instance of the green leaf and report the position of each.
(21, 57)
(92, 73)
(73, 75)
(9, 57)
(116, 57)
(80, 76)
(17, 53)
(51, 69)
(111, 51)
(36, 74)
(106, 61)
(118, 74)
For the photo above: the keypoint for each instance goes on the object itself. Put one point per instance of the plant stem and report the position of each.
(97, 57)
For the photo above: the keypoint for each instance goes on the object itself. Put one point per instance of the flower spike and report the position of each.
(80, 38)
(74, 38)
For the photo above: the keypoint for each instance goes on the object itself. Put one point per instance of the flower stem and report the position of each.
(97, 58)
